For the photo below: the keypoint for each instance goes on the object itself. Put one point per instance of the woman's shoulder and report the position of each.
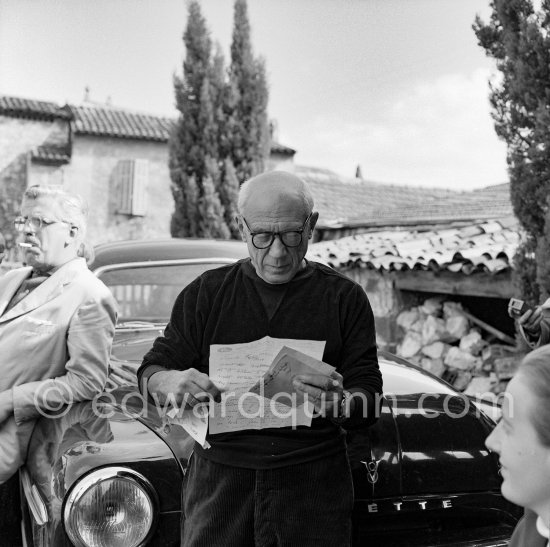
(525, 533)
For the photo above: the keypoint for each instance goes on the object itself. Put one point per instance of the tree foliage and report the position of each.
(221, 137)
(249, 124)
(517, 38)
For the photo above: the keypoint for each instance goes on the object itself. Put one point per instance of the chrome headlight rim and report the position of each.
(100, 474)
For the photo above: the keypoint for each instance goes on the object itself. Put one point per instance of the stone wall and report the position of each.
(385, 301)
(92, 173)
(18, 138)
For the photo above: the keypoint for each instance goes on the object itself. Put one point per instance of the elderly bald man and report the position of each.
(273, 486)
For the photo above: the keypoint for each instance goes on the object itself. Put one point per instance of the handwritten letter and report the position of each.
(237, 368)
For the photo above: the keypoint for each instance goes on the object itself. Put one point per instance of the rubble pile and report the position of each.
(442, 337)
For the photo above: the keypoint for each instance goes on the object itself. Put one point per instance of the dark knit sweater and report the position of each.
(224, 306)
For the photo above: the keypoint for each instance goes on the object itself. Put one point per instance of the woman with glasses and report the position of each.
(522, 441)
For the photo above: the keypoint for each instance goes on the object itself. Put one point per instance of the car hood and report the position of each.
(423, 443)
(426, 451)
(133, 341)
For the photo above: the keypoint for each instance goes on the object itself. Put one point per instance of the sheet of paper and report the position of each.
(194, 422)
(277, 382)
(236, 368)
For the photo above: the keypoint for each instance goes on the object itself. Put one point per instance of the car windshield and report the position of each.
(401, 379)
(147, 293)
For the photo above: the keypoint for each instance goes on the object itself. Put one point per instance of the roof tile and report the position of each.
(101, 121)
(31, 109)
(344, 202)
(410, 249)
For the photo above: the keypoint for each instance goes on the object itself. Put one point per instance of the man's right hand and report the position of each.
(183, 386)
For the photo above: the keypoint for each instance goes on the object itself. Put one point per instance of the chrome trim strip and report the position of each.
(175, 262)
(34, 499)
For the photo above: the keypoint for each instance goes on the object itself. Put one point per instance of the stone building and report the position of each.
(116, 159)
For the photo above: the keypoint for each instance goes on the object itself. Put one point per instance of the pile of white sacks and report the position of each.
(439, 337)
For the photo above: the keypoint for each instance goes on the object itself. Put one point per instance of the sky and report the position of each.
(399, 87)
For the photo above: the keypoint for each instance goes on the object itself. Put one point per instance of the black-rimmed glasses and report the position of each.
(289, 238)
(35, 222)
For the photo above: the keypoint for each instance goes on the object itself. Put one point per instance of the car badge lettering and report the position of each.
(372, 469)
(409, 505)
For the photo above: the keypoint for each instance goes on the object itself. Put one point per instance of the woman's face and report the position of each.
(524, 460)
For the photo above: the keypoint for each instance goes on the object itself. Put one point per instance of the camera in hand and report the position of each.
(518, 307)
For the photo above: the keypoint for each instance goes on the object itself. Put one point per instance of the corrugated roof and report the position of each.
(481, 247)
(346, 202)
(19, 107)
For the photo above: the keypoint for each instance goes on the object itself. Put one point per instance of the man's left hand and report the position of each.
(325, 392)
(6, 405)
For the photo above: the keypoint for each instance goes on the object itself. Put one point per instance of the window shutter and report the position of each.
(133, 179)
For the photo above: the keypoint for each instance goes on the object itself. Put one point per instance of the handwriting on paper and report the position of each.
(236, 368)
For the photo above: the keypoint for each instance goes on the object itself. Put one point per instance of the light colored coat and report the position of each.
(54, 349)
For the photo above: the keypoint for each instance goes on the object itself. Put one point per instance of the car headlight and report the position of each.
(110, 507)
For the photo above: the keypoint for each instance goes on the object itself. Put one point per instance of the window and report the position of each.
(132, 177)
(147, 293)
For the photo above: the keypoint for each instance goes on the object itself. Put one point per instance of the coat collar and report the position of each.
(50, 288)
(9, 285)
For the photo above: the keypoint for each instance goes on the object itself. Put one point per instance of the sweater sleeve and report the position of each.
(178, 347)
(359, 359)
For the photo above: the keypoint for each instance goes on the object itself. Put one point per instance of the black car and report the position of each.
(109, 472)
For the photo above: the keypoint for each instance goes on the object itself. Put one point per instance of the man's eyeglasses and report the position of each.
(289, 238)
(35, 222)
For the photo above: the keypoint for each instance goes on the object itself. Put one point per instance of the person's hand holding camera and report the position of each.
(529, 318)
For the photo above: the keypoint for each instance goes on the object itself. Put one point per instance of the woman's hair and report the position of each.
(73, 209)
(535, 368)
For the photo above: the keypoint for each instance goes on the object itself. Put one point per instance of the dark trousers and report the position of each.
(301, 505)
(10, 513)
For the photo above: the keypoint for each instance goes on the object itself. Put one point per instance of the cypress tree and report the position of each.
(517, 38)
(211, 223)
(247, 101)
(229, 194)
(221, 137)
(195, 136)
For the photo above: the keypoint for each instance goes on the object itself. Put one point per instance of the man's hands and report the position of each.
(191, 387)
(183, 386)
(6, 405)
(325, 392)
